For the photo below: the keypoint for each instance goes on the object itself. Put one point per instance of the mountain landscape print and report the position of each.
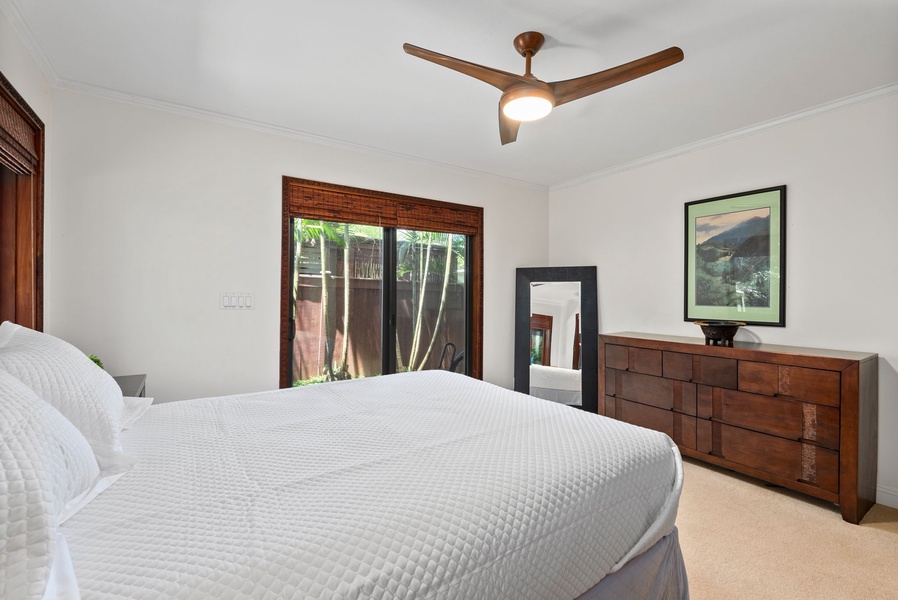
(732, 259)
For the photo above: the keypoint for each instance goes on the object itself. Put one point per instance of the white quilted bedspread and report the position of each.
(422, 485)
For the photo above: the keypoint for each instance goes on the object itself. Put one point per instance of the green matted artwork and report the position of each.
(736, 258)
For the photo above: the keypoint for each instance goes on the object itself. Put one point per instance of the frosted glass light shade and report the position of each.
(527, 103)
(527, 109)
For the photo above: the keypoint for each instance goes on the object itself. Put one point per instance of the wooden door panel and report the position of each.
(7, 245)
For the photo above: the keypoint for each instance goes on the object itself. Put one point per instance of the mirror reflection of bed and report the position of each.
(555, 341)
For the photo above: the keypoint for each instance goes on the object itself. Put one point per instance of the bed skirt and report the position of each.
(659, 573)
(571, 398)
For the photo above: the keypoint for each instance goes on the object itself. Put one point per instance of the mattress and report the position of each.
(556, 384)
(560, 396)
(417, 485)
(555, 377)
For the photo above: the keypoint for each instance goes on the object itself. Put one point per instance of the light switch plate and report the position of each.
(236, 301)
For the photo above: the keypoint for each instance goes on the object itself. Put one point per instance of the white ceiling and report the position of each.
(336, 70)
(554, 292)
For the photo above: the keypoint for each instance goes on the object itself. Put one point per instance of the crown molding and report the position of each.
(269, 128)
(816, 111)
(12, 12)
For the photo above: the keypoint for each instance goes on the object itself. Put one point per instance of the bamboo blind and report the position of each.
(329, 202)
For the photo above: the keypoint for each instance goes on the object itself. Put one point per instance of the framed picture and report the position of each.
(736, 258)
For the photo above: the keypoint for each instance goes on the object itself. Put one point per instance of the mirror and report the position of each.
(556, 335)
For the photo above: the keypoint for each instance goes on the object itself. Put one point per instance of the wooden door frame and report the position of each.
(22, 141)
(544, 324)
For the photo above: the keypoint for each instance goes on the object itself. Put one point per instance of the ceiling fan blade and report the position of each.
(572, 89)
(508, 128)
(494, 77)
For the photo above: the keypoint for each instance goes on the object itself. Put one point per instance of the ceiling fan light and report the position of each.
(528, 104)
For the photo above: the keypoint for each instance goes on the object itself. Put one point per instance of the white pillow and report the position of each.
(66, 378)
(134, 408)
(48, 470)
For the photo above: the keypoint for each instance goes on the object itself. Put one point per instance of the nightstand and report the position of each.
(132, 385)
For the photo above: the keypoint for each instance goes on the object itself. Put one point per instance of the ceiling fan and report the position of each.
(526, 98)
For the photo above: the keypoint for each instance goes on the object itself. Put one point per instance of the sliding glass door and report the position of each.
(374, 282)
(347, 322)
(337, 306)
(431, 324)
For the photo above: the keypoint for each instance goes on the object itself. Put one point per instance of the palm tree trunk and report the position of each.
(344, 356)
(443, 294)
(419, 313)
(297, 255)
(327, 317)
(398, 355)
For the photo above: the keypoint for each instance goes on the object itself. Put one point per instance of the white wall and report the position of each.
(20, 68)
(25, 75)
(156, 213)
(841, 173)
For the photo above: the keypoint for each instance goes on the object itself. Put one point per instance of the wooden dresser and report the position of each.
(802, 418)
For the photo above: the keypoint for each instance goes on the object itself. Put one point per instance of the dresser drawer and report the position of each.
(680, 427)
(677, 365)
(719, 372)
(808, 385)
(782, 417)
(791, 460)
(645, 361)
(646, 389)
(664, 393)
(617, 357)
(707, 370)
(637, 360)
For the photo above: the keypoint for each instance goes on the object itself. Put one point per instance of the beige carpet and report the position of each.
(744, 539)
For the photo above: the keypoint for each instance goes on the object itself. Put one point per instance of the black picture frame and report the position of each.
(735, 258)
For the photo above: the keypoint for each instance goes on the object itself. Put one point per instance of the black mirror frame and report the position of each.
(589, 326)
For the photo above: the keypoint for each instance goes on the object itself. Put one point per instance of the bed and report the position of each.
(556, 384)
(415, 485)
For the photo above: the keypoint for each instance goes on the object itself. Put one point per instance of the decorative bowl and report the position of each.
(719, 333)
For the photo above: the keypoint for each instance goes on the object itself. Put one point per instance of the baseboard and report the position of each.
(887, 496)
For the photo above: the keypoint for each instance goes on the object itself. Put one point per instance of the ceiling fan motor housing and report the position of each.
(529, 41)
